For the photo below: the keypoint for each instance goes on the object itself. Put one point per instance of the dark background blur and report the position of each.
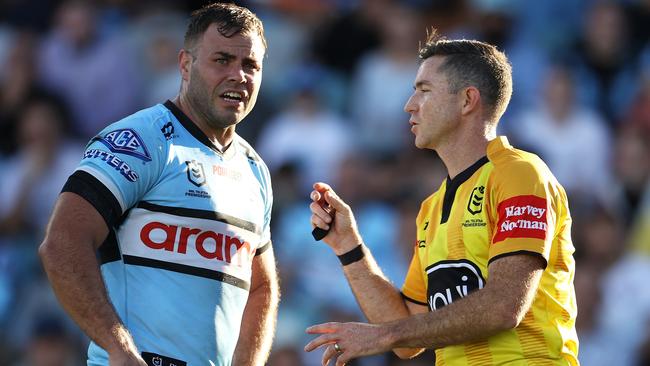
(336, 77)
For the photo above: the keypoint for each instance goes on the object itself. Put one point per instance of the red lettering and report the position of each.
(218, 245)
(235, 242)
(167, 243)
(208, 244)
(185, 234)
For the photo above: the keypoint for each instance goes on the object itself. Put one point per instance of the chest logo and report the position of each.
(195, 173)
(167, 130)
(126, 141)
(475, 204)
(451, 280)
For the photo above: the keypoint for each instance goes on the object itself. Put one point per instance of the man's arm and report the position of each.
(379, 300)
(73, 235)
(260, 314)
(500, 305)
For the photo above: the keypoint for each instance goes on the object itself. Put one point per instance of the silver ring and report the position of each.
(337, 348)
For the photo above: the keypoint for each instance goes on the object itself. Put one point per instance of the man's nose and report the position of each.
(237, 74)
(410, 106)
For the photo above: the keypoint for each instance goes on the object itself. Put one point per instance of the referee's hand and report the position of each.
(328, 209)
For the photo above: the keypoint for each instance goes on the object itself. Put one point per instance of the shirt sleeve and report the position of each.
(265, 181)
(523, 211)
(414, 288)
(119, 166)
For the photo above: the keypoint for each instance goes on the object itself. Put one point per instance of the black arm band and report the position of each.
(352, 256)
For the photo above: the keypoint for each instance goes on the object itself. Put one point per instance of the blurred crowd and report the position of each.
(336, 77)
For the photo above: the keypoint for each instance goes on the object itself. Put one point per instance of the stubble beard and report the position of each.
(203, 103)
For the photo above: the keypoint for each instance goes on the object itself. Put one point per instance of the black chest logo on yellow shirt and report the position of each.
(195, 173)
(475, 204)
(451, 280)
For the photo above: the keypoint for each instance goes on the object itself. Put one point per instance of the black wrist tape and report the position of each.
(352, 256)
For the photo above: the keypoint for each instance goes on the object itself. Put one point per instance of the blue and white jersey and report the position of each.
(185, 223)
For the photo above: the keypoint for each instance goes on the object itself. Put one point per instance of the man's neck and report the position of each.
(466, 148)
(220, 137)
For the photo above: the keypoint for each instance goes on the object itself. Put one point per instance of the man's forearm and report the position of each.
(379, 300)
(258, 325)
(74, 274)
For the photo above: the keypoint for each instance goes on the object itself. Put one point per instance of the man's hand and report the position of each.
(346, 341)
(126, 358)
(344, 235)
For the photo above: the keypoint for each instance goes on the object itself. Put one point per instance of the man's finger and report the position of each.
(319, 211)
(322, 187)
(324, 339)
(322, 328)
(318, 222)
(328, 354)
(335, 201)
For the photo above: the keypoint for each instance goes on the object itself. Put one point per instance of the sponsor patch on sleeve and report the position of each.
(114, 162)
(522, 217)
(126, 141)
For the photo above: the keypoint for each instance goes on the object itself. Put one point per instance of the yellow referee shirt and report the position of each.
(506, 203)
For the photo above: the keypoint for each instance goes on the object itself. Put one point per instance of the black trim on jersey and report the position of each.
(413, 300)
(154, 359)
(263, 248)
(201, 214)
(181, 268)
(193, 129)
(453, 185)
(95, 192)
(109, 251)
(526, 252)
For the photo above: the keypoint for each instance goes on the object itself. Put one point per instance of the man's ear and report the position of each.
(185, 59)
(470, 100)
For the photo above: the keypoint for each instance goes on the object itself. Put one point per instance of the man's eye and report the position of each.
(222, 61)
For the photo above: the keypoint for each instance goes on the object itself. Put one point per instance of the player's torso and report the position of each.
(181, 278)
(453, 238)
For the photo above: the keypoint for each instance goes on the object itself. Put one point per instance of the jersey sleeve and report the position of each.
(414, 288)
(119, 166)
(522, 211)
(265, 241)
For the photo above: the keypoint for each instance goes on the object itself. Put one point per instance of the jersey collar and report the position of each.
(193, 129)
(498, 144)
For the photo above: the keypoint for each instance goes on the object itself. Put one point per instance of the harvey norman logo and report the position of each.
(522, 217)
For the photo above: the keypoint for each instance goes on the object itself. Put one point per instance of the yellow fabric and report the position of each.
(510, 203)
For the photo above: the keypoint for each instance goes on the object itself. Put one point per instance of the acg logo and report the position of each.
(209, 244)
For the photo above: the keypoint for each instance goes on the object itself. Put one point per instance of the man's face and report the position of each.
(433, 109)
(224, 76)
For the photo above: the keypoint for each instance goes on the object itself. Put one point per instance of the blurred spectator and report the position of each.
(93, 72)
(604, 66)
(158, 36)
(550, 129)
(343, 40)
(29, 184)
(17, 85)
(632, 169)
(383, 83)
(306, 134)
(49, 345)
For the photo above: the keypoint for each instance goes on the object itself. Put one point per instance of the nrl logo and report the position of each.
(475, 204)
(195, 173)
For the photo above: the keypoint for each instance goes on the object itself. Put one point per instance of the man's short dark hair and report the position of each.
(473, 63)
(230, 18)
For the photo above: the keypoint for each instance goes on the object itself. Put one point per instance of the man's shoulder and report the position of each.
(137, 134)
